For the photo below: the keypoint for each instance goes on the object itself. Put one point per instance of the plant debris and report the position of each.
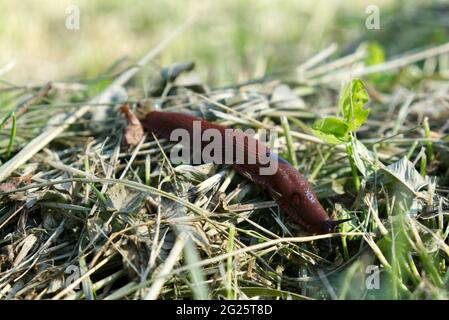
(99, 219)
(134, 129)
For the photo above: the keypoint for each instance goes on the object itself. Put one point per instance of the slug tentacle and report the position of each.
(288, 187)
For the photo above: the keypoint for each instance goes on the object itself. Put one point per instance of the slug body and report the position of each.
(288, 187)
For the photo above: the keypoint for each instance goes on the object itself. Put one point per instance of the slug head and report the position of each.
(298, 200)
(328, 226)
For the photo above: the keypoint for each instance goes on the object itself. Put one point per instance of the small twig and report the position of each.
(252, 206)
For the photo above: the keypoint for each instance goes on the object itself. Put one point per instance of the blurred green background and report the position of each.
(231, 41)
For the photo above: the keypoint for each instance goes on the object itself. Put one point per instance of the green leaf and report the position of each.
(331, 130)
(376, 54)
(98, 86)
(363, 158)
(351, 102)
(12, 136)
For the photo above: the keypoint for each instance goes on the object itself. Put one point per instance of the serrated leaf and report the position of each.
(351, 102)
(331, 130)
